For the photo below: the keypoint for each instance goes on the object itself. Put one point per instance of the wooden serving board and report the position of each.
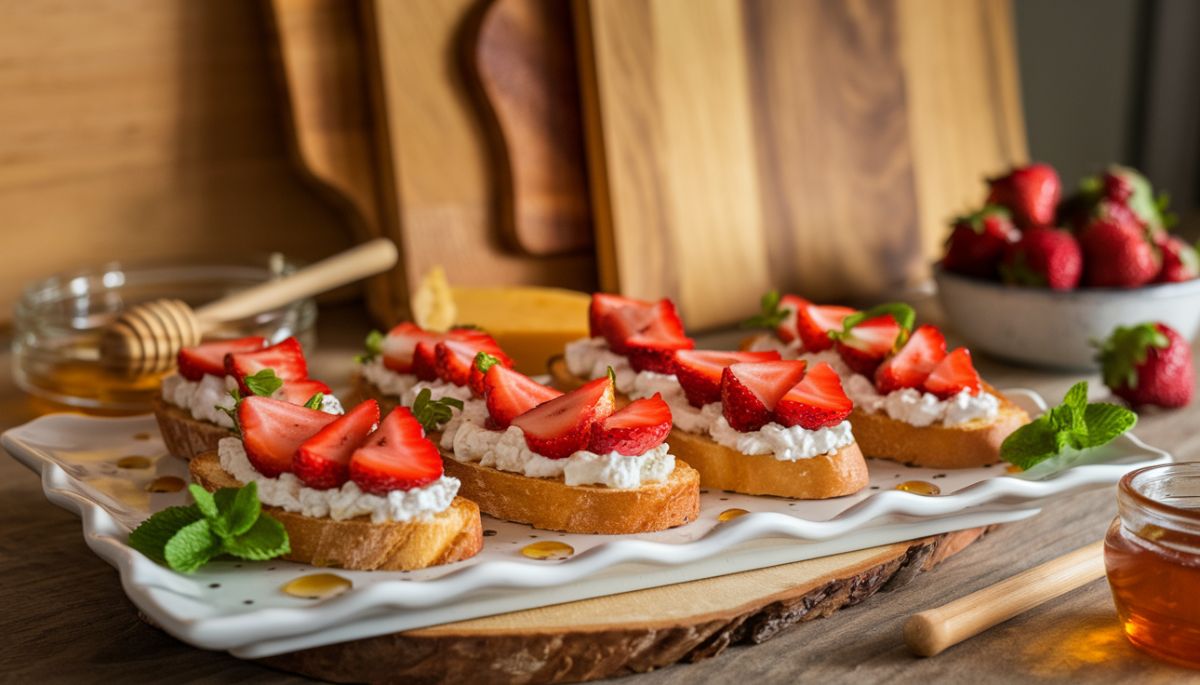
(819, 147)
(631, 632)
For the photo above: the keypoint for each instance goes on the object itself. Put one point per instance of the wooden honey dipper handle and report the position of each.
(146, 338)
(930, 632)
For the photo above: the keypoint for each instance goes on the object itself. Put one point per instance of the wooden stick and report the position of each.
(930, 632)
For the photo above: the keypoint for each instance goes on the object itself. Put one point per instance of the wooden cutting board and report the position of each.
(816, 146)
(631, 632)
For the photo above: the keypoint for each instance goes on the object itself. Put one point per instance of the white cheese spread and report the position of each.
(203, 398)
(921, 409)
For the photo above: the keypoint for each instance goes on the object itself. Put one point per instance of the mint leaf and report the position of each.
(151, 537)
(1107, 421)
(1076, 397)
(315, 401)
(239, 507)
(431, 413)
(373, 347)
(484, 361)
(770, 315)
(191, 547)
(902, 313)
(264, 383)
(266, 539)
(1030, 444)
(204, 501)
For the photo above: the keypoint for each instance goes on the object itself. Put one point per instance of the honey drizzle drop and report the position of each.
(165, 484)
(317, 586)
(134, 461)
(731, 514)
(919, 487)
(548, 550)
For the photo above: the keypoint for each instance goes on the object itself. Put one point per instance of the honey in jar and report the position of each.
(1152, 557)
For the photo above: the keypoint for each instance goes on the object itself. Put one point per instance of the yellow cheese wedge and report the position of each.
(532, 324)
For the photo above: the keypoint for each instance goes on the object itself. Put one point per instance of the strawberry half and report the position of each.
(272, 430)
(209, 358)
(699, 371)
(813, 323)
(868, 337)
(400, 344)
(397, 456)
(562, 426)
(285, 358)
(817, 401)
(454, 358)
(909, 367)
(789, 307)
(299, 392)
(323, 460)
(509, 393)
(604, 306)
(636, 429)
(954, 374)
(750, 390)
(653, 347)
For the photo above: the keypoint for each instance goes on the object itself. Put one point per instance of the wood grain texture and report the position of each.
(777, 140)
(144, 129)
(524, 60)
(441, 198)
(70, 622)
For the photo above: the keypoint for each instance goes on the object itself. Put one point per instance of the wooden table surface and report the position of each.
(65, 618)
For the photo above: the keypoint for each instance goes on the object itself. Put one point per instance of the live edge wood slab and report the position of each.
(632, 632)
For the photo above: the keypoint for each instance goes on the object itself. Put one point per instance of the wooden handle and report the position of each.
(930, 632)
(359, 262)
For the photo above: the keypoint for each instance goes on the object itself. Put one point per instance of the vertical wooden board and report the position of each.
(441, 177)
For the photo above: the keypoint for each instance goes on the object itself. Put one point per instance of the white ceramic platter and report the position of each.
(238, 606)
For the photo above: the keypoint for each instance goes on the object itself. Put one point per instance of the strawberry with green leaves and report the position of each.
(1044, 258)
(978, 241)
(1180, 261)
(868, 337)
(1148, 364)
(1117, 255)
(1030, 193)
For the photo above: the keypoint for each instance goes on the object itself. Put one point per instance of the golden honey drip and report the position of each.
(731, 514)
(919, 487)
(141, 436)
(548, 550)
(1013, 468)
(134, 461)
(165, 484)
(317, 586)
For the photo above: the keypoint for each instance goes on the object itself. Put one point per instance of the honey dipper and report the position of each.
(146, 338)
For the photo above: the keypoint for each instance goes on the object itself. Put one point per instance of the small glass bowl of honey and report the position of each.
(1152, 556)
(58, 320)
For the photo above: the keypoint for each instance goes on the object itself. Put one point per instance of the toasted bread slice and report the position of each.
(965, 445)
(721, 468)
(551, 504)
(358, 544)
(364, 389)
(184, 435)
(561, 377)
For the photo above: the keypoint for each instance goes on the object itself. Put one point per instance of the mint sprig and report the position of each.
(770, 314)
(431, 413)
(315, 401)
(1075, 424)
(373, 347)
(264, 383)
(901, 312)
(228, 521)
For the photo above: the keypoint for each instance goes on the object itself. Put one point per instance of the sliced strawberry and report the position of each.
(456, 357)
(604, 305)
(750, 390)
(699, 371)
(909, 367)
(868, 342)
(323, 460)
(788, 307)
(285, 358)
(650, 327)
(424, 363)
(636, 429)
(509, 393)
(817, 401)
(653, 347)
(273, 429)
(814, 321)
(954, 374)
(400, 345)
(562, 426)
(397, 456)
(299, 392)
(209, 358)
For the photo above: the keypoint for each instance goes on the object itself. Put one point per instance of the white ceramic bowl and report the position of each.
(1055, 329)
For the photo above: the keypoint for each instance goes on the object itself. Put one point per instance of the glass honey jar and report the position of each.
(1152, 557)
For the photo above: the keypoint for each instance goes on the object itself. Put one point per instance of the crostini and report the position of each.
(194, 404)
(353, 491)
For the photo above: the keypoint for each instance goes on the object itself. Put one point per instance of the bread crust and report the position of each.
(560, 376)
(966, 445)
(551, 504)
(358, 544)
(183, 435)
(721, 468)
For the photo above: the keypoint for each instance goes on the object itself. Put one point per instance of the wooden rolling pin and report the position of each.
(930, 632)
(145, 338)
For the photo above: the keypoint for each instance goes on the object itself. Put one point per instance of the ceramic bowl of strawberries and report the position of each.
(1038, 278)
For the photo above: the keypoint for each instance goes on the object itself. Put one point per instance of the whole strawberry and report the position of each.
(1148, 364)
(1044, 258)
(1031, 193)
(1179, 261)
(977, 242)
(1117, 255)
